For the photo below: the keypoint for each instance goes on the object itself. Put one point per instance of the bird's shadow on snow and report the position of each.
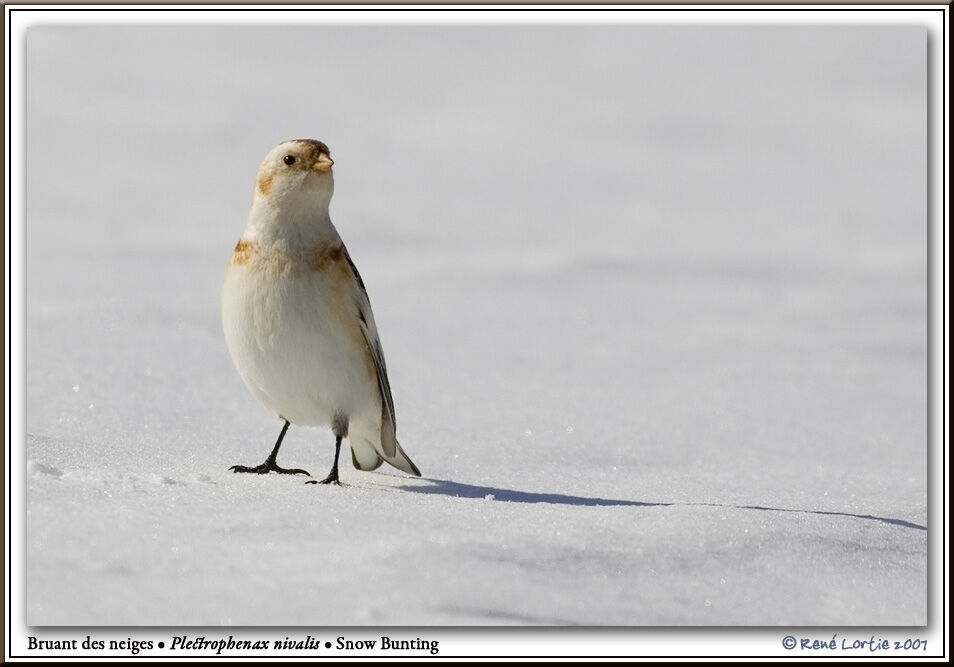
(446, 487)
(869, 517)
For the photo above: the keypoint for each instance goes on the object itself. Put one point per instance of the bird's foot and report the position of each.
(330, 479)
(270, 466)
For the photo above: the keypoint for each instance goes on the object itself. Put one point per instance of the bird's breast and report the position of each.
(273, 286)
(293, 329)
(281, 259)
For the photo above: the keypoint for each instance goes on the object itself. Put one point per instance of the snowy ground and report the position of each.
(653, 303)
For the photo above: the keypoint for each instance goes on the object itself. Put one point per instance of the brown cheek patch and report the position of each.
(324, 256)
(242, 253)
(265, 184)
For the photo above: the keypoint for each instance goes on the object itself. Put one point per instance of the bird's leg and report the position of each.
(340, 428)
(332, 477)
(270, 464)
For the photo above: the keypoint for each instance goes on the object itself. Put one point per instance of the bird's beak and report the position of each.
(323, 164)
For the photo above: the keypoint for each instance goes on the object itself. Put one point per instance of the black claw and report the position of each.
(268, 467)
(330, 479)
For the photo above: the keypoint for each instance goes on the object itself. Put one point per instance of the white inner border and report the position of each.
(724, 642)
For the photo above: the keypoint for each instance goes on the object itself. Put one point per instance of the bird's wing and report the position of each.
(370, 331)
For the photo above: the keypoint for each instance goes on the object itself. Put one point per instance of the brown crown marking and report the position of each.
(319, 146)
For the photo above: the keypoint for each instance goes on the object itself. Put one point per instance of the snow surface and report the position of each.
(653, 301)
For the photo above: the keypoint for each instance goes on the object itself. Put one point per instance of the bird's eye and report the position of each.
(289, 159)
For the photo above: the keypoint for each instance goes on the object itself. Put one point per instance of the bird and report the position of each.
(297, 317)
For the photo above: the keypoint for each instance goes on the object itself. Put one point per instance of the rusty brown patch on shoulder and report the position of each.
(242, 253)
(265, 183)
(324, 255)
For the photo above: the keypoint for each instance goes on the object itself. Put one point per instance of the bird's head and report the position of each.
(296, 174)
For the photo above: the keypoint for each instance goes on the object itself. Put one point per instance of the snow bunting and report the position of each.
(297, 318)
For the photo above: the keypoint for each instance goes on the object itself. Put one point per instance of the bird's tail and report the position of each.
(366, 456)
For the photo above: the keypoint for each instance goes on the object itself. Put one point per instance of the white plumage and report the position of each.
(297, 318)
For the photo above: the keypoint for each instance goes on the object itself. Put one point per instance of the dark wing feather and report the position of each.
(370, 331)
